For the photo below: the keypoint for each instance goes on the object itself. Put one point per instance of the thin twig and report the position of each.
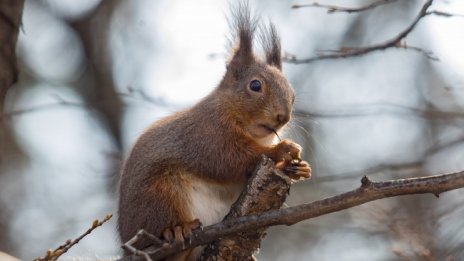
(445, 14)
(41, 107)
(340, 9)
(140, 234)
(368, 191)
(52, 255)
(410, 167)
(382, 168)
(89, 105)
(395, 42)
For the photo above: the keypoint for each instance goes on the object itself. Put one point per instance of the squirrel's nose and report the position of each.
(283, 118)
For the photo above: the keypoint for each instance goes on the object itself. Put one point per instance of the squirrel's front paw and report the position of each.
(297, 169)
(181, 232)
(288, 159)
(286, 150)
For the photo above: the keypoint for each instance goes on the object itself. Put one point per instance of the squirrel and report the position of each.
(189, 168)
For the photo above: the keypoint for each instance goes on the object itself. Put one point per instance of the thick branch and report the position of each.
(368, 191)
(266, 190)
(395, 42)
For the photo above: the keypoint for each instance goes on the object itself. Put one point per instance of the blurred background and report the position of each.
(94, 74)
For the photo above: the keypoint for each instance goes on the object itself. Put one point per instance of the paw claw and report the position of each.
(280, 165)
(298, 171)
(178, 236)
(168, 235)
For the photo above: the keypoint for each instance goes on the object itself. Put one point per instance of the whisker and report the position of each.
(295, 134)
(305, 117)
(275, 132)
(307, 135)
(302, 128)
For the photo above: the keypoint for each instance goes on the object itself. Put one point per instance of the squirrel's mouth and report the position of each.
(264, 130)
(267, 128)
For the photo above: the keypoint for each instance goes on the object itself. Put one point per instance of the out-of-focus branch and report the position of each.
(340, 9)
(405, 167)
(396, 42)
(368, 191)
(89, 104)
(10, 20)
(367, 110)
(52, 255)
(138, 94)
(445, 14)
(59, 103)
(409, 167)
(94, 33)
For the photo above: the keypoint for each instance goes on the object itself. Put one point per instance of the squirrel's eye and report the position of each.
(255, 85)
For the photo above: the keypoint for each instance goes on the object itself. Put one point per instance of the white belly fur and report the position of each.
(210, 202)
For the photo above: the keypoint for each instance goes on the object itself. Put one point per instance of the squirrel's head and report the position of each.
(259, 95)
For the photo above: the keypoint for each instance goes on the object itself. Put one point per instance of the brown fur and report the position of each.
(214, 142)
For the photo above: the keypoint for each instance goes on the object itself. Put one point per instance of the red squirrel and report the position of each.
(190, 167)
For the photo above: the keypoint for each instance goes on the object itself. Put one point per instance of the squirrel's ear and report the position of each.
(242, 55)
(272, 47)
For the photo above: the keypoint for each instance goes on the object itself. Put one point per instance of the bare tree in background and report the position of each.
(10, 14)
(100, 93)
(93, 30)
(94, 85)
(10, 20)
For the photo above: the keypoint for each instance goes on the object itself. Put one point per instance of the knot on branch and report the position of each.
(366, 182)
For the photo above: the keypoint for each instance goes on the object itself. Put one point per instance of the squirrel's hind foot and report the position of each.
(181, 232)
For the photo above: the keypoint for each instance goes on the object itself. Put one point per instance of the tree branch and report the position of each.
(445, 14)
(368, 191)
(340, 9)
(412, 168)
(374, 109)
(52, 255)
(90, 104)
(266, 190)
(395, 42)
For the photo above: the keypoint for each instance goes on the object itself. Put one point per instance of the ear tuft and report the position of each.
(244, 27)
(271, 44)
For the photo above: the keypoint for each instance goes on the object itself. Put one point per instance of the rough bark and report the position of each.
(267, 190)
